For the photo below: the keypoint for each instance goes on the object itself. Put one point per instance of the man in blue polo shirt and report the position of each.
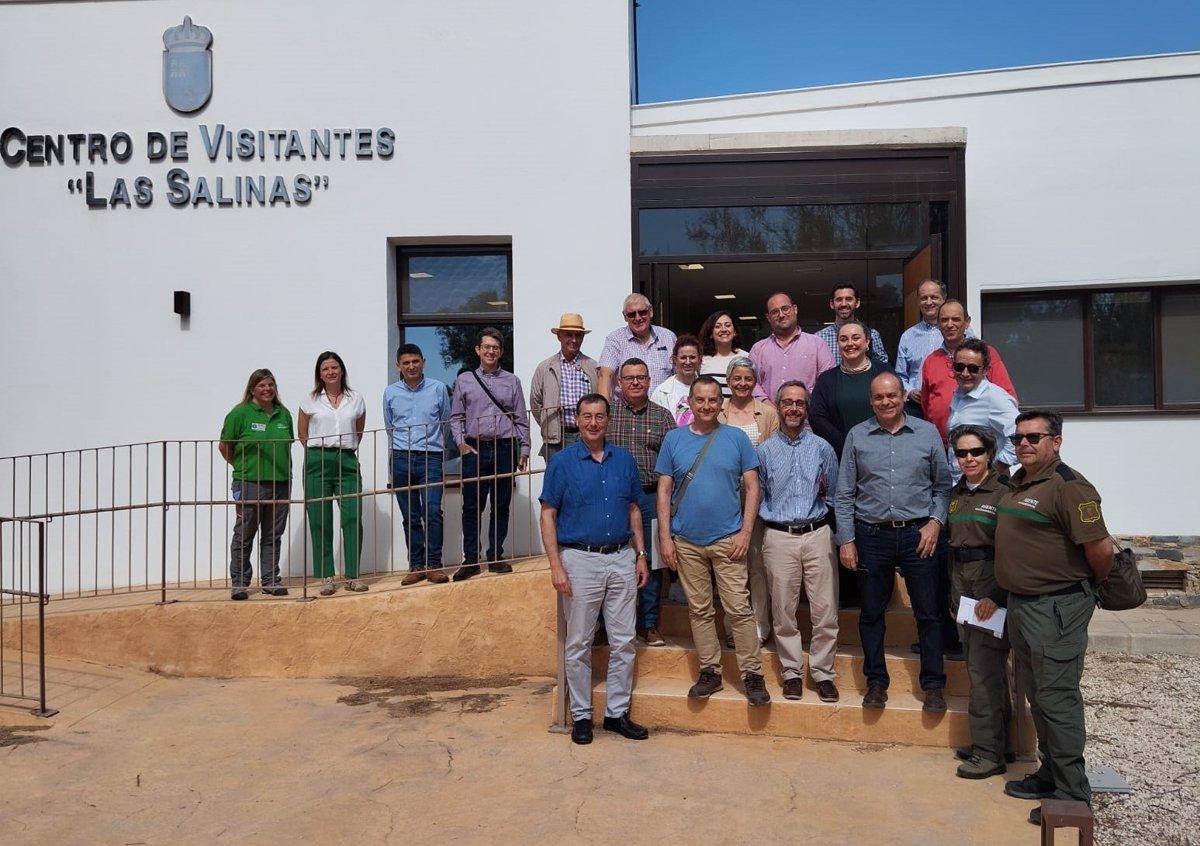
(590, 513)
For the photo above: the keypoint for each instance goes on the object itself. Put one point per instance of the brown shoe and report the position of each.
(438, 577)
(793, 688)
(413, 577)
(935, 703)
(827, 691)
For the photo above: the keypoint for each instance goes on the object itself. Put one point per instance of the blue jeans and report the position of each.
(421, 507)
(881, 550)
(647, 600)
(494, 458)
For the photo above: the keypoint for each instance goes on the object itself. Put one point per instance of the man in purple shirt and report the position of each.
(638, 338)
(788, 352)
(489, 424)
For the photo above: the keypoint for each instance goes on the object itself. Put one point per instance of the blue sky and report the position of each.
(706, 48)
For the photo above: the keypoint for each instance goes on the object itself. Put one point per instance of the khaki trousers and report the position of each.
(809, 562)
(698, 567)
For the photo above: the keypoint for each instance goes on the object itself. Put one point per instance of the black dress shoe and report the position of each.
(465, 572)
(625, 727)
(581, 732)
(965, 753)
(499, 567)
(239, 594)
(275, 590)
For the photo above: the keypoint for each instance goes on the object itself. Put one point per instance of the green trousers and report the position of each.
(330, 472)
(1049, 639)
(989, 708)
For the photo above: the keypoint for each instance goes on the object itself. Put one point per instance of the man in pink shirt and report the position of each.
(789, 352)
(937, 373)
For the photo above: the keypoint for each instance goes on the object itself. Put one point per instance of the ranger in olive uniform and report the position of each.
(1051, 546)
(972, 526)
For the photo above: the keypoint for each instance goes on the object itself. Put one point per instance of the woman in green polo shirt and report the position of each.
(256, 440)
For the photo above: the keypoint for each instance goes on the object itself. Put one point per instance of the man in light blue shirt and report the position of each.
(978, 402)
(919, 340)
(798, 473)
(893, 493)
(704, 529)
(415, 411)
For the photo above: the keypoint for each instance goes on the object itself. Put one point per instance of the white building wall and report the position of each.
(1077, 175)
(511, 122)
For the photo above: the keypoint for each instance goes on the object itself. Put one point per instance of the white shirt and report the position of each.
(333, 427)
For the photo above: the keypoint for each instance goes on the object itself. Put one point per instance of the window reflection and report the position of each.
(736, 230)
(1123, 348)
(1041, 343)
(1180, 352)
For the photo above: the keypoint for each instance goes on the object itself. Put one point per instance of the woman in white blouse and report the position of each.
(719, 344)
(672, 394)
(330, 425)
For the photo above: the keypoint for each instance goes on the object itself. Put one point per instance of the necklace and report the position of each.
(866, 365)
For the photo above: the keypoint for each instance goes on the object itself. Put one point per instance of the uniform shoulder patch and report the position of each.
(1089, 512)
(1066, 472)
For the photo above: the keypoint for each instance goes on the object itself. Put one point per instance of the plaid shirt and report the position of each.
(829, 336)
(572, 387)
(642, 433)
(621, 345)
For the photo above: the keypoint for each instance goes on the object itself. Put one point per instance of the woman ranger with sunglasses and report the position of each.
(972, 524)
(977, 401)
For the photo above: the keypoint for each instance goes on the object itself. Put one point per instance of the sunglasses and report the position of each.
(641, 312)
(962, 367)
(1034, 438)
(974, 452)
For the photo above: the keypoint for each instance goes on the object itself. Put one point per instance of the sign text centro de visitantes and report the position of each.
(187, 87)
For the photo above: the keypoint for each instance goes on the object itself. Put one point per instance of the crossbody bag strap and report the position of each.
(491, 396)
(691, 473)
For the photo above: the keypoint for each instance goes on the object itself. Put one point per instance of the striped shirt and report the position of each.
(798, 478)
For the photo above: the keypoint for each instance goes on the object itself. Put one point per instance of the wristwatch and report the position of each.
(642, 554)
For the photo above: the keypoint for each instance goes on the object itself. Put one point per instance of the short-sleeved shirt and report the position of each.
(1040, 524)
(642, 432)
(972, 517)
(621, 345)
(262, 443)
(711, 507)
(331, 427)
(592, 497)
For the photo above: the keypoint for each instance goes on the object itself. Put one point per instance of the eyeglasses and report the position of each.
(1034, 438)
(781, 310)
(793, 403)
(491, 348)
(635, 378)
(641, 312)
(974, 452)
(961, 367)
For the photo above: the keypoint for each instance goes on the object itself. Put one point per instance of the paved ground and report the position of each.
(140, 759)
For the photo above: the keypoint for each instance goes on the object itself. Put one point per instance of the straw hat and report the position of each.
(571, 322)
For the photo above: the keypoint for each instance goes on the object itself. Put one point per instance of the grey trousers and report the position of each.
(608, 582)
(252, 516)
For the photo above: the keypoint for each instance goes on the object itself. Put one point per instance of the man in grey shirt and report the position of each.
(892, 494)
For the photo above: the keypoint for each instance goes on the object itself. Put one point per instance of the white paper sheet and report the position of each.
(994, 624)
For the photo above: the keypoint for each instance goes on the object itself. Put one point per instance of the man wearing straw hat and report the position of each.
(559, 383)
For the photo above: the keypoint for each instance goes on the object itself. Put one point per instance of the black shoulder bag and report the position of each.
(1123, 589)
(691, 473)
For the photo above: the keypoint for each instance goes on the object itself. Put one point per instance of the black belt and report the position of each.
(649, 488)
(797, 528)
(974, 553)
(1067, 591)
(895, 524)
(607, 549)
(475, 441)
(571, 429)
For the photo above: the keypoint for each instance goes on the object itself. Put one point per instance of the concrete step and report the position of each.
(663, 704)
(678, 661)
(901, 625)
